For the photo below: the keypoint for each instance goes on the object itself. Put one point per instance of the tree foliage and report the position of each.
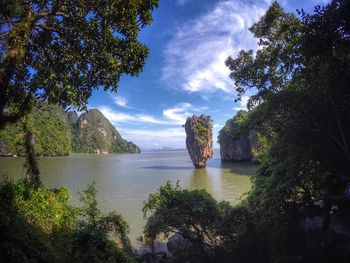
(92, 131)
(305, 109)
(40, 225)
(59, 51)
(234, 127)
(211, 231)
(49, 128)
(100, 238)
(300, 76)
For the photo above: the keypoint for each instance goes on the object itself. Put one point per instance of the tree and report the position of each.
(100, 238)
(194, 215)
(300, 75)
(59, 51)
(200, 228)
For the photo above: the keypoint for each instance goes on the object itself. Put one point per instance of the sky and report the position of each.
(185, 73)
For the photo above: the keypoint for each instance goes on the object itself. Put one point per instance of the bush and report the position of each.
(39, 225)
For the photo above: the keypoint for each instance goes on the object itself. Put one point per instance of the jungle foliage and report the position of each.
(93, 131)
(211, 228)
(234, 127)
(55, 133)
(50, 129)
(40, 225)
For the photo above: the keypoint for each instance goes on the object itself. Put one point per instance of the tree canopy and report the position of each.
(300, 78)
(40, 225)
(59, 51)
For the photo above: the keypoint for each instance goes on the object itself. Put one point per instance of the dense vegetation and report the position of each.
(58, 52)
(39, 225)
(234, 127)
(49, 127)
(93, 132)
(203, 129)
(57, 133)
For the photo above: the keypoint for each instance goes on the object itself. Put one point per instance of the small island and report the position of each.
(199, 141)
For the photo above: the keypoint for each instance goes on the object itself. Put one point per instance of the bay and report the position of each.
(124, 181)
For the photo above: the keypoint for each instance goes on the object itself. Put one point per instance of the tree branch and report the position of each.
(57, 13)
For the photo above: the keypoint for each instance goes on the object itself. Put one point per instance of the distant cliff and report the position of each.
(199, 140)
(236, 141)
(58, 133)
(93, 133)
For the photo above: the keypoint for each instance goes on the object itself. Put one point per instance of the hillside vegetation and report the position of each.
(57, 133)
(93, 133)
(50, 128)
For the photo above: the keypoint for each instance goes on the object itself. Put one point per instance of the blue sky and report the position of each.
(185, 73)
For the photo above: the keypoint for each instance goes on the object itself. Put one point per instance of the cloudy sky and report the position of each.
(185, 73)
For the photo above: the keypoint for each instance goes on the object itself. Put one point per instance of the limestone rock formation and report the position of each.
(199, 141)
(93, 133)
(239, 149)
(59, 133)
(236, 143)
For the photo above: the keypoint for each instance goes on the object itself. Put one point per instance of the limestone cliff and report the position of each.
(59, 133)
(236, 142)
(72, 118)
(93, 133)
(199, 141)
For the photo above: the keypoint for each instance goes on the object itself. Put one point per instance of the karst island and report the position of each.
(199, 139)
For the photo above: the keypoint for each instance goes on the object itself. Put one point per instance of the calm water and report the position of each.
(124, 181)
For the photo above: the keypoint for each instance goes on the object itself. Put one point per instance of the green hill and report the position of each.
(93, 133)
(59, 133)
(50, 128)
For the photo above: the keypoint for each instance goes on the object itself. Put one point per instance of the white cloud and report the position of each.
(114, 116)
(181, 2)
(174, 138)
(242, 104)
(162, 133)
(120, 101)
(150, 119)
(196, 54)
(120, 117)
(179, 113)
(165, 131)
(150, 139)
(217, 126)
(175, 115)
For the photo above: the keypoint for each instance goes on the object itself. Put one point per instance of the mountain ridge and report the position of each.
(59, 133)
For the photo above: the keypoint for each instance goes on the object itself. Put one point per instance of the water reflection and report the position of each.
(165, 167)
(200, 180)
